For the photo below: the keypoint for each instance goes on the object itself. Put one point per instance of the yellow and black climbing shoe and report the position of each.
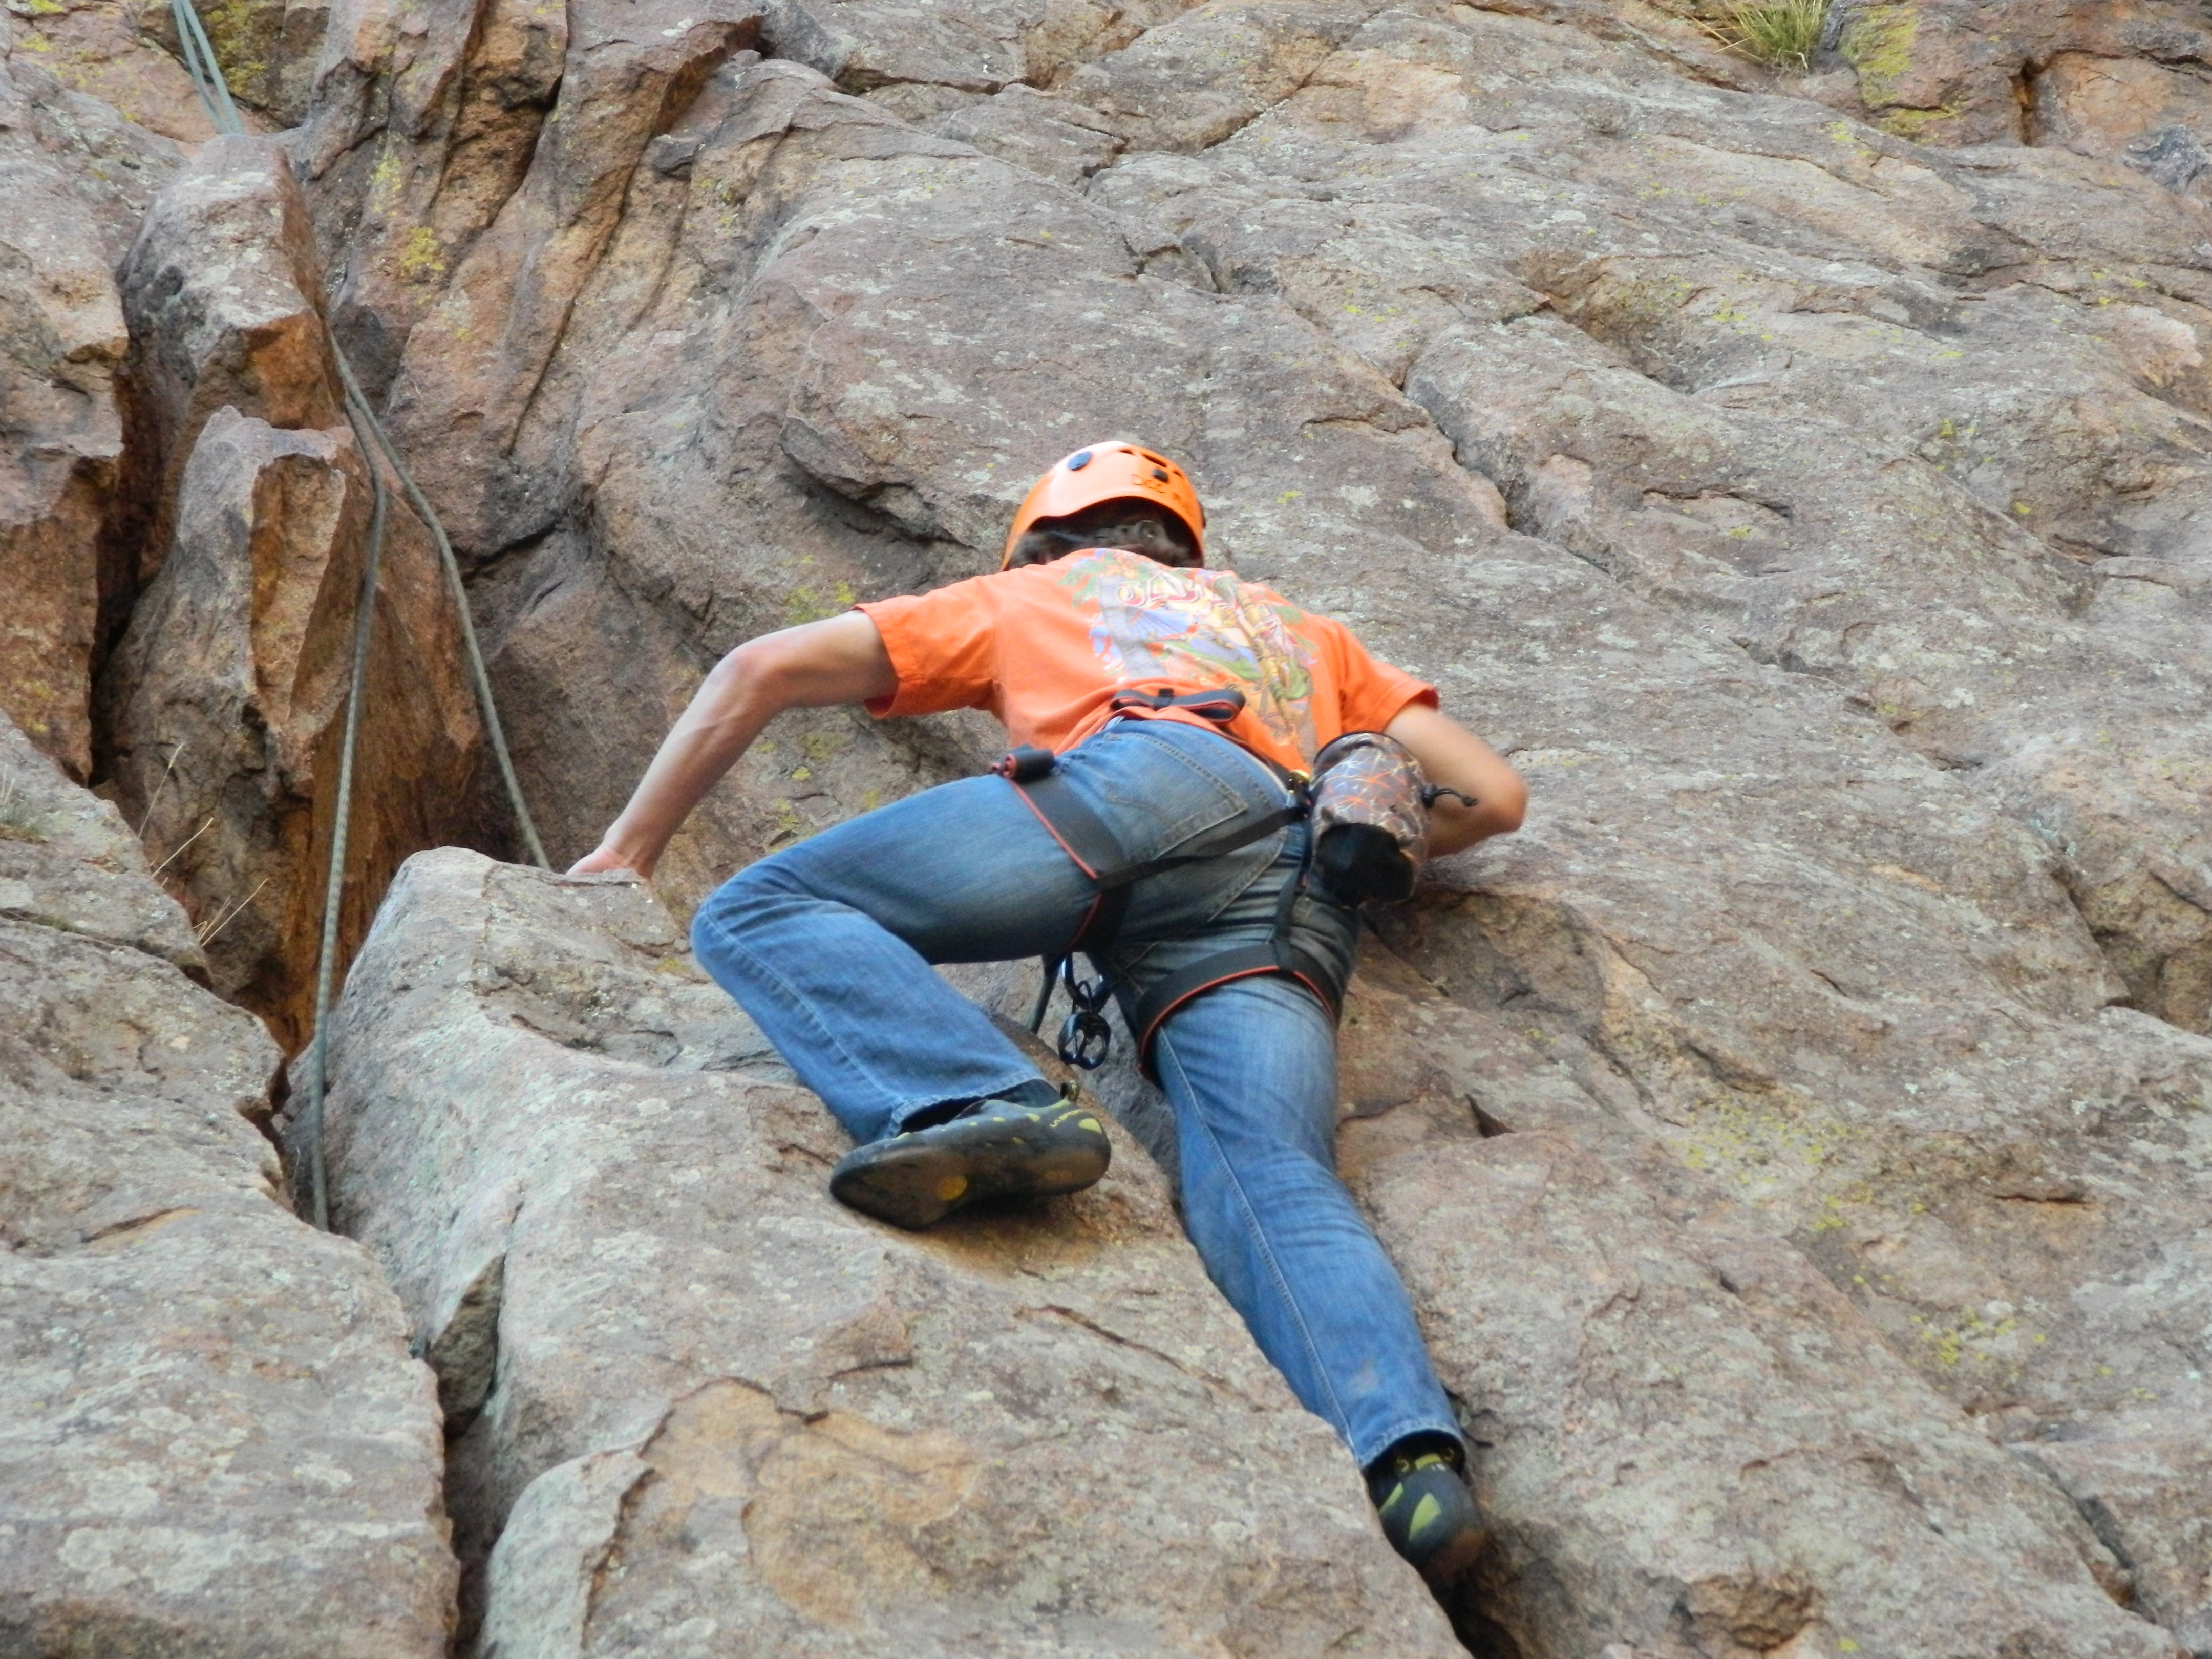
(994, 1149)
(1426, 1510)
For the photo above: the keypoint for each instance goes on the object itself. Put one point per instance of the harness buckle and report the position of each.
(1221, 706)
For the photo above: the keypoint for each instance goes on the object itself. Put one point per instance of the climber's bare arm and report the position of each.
(1454, 756)
(840, 661)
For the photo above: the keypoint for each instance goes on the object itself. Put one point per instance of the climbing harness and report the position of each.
(1366, 802)
(369, 431)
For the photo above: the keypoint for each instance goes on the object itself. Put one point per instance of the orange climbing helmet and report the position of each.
(1108, 472)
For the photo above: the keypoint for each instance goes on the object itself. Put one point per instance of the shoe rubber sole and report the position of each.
(915, 1181)
(1444, 1566)
(1431, 1519)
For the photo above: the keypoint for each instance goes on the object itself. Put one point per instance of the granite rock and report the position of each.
(703, 1408)
(75, 176)
(215, 1440)
(221, 704)
(1813, 515)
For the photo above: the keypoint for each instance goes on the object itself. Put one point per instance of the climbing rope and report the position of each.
(369, 431)
(364, 627)
(206, 73)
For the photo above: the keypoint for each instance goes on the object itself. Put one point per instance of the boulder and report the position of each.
(216, 1442)
(75, 177)
(222, 707)
(69, 861)
(223, 298)
(703, 1409)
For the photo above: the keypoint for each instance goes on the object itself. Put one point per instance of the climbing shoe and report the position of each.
(1426, 1510)
(992, 1149)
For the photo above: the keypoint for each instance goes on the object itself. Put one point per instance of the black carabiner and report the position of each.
(1084, 1035)
(1085, 1040)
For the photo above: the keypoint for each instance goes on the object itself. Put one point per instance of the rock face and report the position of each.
(1676, 1402)
(708, 1410)
(220, 706)
(1814, 515)
(1795, 1138)
(215, 1441)
(75, 177)
(2085, 73)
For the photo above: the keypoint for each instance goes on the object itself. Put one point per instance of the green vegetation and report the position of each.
(19, 819)
(1783, 33)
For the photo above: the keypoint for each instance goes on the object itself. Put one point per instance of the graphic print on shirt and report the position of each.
(1198, 628)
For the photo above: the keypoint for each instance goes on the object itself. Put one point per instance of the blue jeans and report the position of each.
(827, 946)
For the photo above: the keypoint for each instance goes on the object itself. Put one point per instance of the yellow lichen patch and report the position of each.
(1912, 123)
(807, 605)
(1968, 1338)
(385, 179)
(819, 746)
(229, 24)
(422, 260)
(1758, 1144)
(790, 824)
(1879, 46)
(1831, 1216)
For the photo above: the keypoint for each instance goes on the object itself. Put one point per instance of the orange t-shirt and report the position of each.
(1046, 646)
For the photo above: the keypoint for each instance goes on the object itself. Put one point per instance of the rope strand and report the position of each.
(207, 74)
(364, 627)
(482, 680)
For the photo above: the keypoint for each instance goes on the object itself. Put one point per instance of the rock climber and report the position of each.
(1154, 815)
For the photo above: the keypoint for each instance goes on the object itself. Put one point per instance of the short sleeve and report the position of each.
(1370, 693)
(942, 647)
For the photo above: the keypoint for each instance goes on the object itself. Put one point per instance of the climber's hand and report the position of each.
(1454, 756)
(602, 858)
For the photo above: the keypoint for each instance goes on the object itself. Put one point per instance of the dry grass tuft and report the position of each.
(1782, 33)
